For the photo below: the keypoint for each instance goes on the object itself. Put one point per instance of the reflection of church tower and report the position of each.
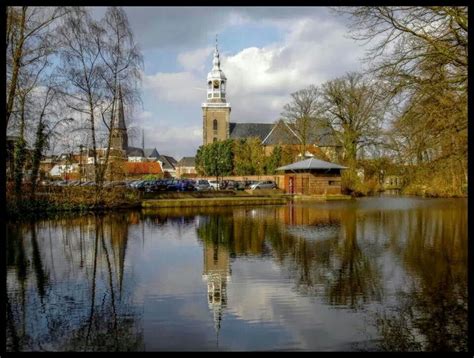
(119, 140)
(215, 111)
(119, 238)
(217, 274)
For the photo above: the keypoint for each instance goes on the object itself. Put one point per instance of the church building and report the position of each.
(217, 125)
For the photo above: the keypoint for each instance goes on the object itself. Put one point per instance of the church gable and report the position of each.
(281, 134)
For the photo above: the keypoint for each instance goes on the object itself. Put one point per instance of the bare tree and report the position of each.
(82, 73)
(122, 62)
(354, 111)
(404, 37)
(422, 54)
(28, 40)
(302, 113)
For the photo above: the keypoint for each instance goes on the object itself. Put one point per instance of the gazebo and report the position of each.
(312, 177)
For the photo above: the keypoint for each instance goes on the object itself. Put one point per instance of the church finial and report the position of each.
(216, 62)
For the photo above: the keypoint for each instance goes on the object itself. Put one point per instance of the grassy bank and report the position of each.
(70, 199)
(223, 201)
(321, 197)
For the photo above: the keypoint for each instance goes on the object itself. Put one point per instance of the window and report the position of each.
(214, 124)
(209, 84)
(215, 139)
(334, 182)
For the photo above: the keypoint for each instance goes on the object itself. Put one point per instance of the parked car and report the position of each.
(88, 183)
(228, 184)
(136, 184)
(267, 184)
(239, 185)
(202, 185)
(215, 185)
(185, 185)
(172, 185)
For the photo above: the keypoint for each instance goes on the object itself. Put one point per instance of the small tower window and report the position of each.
(209, 84)
(215, 139)
(214, 124)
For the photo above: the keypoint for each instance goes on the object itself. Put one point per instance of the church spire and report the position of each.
(119, 116)
(119, 131)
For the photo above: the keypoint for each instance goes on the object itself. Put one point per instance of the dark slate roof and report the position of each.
(245, 130)
(187, 162)
(311, 163)
(168, 162)
(134, 152)
(151, 153)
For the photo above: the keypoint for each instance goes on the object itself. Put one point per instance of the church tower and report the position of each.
(119, 140)
(216, 110)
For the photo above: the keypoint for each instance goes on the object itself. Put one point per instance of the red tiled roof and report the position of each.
(143, 168)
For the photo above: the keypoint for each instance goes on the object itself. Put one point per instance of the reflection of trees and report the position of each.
(335, 267)
(355, 279)
(87, 256)
(432, 311)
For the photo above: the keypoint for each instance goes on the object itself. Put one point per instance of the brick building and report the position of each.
(312, 177)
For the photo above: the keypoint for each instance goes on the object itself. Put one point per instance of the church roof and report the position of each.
(187, 162)
(244, 130)
(311, 163)
(151, 153)
(119, 117)
(286, 133)
(216, 72)
(135, 152)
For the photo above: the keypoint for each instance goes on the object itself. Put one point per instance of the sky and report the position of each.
(266, 53)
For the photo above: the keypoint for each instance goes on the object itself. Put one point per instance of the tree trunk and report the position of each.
(16, 68)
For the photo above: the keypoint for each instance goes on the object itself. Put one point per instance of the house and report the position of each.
(169, 165)
(65, 171)
(312, 177)
(186, 167)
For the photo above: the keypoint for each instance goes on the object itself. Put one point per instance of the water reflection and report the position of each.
(400, 266)
(77, 275)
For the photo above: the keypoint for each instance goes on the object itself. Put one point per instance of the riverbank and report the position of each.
(223, 201)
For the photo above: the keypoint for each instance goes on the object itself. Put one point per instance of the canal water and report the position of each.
(370, 274)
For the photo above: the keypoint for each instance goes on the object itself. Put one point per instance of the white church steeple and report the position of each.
(216, 80)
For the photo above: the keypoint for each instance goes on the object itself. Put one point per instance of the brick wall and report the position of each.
(313, 184)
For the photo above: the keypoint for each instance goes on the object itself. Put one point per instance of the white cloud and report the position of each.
(194, 60)
(175, 87)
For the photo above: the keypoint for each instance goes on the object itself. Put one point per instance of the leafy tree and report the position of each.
(274, 160)
(249, 156)
(215, 159)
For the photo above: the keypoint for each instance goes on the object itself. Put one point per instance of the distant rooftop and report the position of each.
(187, 162)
